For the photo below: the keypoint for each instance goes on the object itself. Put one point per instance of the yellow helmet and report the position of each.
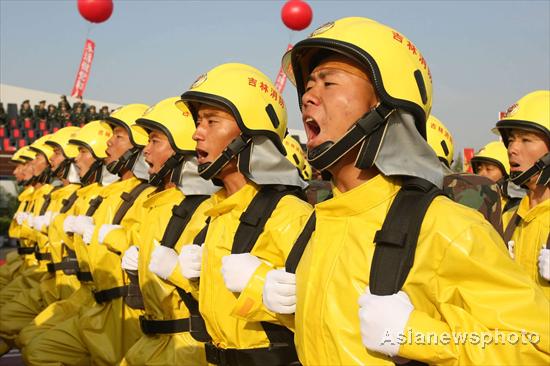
(178, 125)
(61, 139)
(94, 136)
(397, 69)
(126, 117)
(249, 94)
(440, 140)
(23, 155)
(40, 146)
(295, 154)
(494, 153)
(531, 113)
(174, 121)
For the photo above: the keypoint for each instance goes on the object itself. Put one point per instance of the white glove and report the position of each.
(104, 230)
(190, 261)
(88, 233)
(38, 222)
(68, 224)
(237, 270)
(511, 244)
(279, 292)
(20, 217)
(544, 263)
(48, 217)
(80, 223)
(383, 319)
(30, 220)
(163, 261)
(130, 259)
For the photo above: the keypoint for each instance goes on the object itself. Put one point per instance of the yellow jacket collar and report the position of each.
(26, 194)
(528, 214)
(82, 192)
(61, 192)
(171, 195)
(118, 185)
(238, 201)
(360, 199)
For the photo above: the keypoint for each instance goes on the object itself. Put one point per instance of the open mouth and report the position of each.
(201, 154)
(514, 166)
(312, 128)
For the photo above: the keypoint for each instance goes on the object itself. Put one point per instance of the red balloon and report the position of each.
(296, 14)
(95, 11)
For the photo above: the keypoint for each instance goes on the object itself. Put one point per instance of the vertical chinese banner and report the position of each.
(468, 155)
(281, 77)
(84, 69)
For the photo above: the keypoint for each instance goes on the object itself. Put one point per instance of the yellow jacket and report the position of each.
(160, 297)
(530, 237)
(233, 319)
(462, 281)
(24, 199)
(104, 259)
(57, 233)
(27, 232)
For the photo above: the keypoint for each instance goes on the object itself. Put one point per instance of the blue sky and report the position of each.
(483, 55)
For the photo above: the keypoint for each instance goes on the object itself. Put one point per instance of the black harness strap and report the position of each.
(69, 202)
(25, 250)
(110, 294)
(511, 227)
(275, 355)
(396, 241)
(298, 249)
(94, 205)
(253, 220)
(181, 215)
(46, 203)
(61, 266)
(128, 200)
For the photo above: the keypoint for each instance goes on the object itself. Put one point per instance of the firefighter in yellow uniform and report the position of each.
(22, 308)
(23, 175)
(361, 84)
(168, 327)
(241, 121)
(491, 161)
(96, 331)
(88, 163)
(31, 272)
(525, 131)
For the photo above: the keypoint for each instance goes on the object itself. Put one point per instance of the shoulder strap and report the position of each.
(512, 224)
(300, 245)
(181, 215)
(94, 205)
(46, 203)
(253, 220)
(128, 200)
(69, 202)
(396, 241)
(511, 203)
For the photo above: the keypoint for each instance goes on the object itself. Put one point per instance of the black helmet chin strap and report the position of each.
(93, 172)
(168, 168)
(125, 162)
(209, 170)
(46, 176)
(62, 171)
(368, 130)
(542, 165)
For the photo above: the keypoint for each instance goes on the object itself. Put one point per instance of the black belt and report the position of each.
(269, 356)
(43, 256)
(60, 266)
(84, 276)
(110, 294)
(25, 250)
(149, 326)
